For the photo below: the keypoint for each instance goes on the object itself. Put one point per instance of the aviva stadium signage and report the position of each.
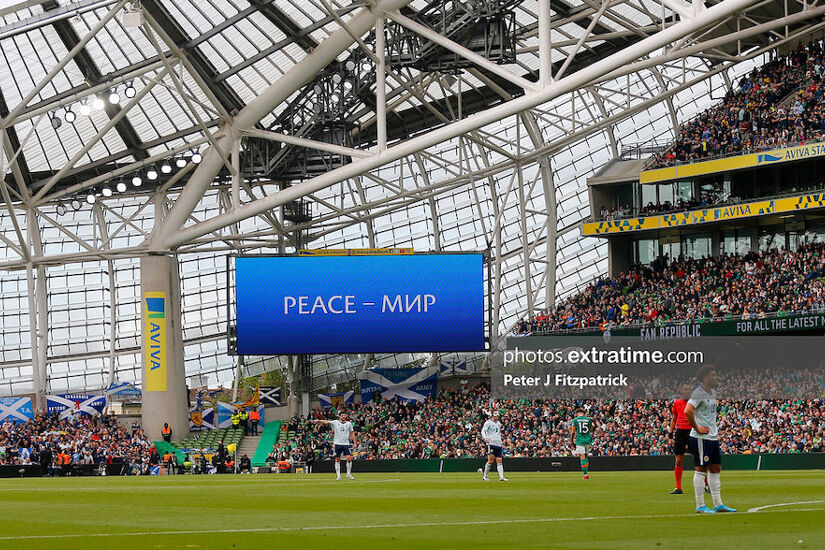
(154, 334)
(788, 154)
(706, 215)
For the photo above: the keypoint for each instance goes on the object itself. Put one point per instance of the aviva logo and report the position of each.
(156, 308)
(767, 158)
(154, 331)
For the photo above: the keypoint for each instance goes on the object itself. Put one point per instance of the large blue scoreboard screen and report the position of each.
(359, 304)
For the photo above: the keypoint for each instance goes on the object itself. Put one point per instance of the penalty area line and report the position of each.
(370, 526)
(767, 506)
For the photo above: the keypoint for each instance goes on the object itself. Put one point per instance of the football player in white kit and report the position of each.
(491, 434)
(343, 440)
(704, 442)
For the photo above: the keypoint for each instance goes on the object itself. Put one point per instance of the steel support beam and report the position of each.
(249, 116)
(170, 235)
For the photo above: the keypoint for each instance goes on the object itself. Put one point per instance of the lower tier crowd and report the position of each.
(448, 427)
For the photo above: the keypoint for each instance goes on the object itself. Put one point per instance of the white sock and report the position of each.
(699, 488)
(500, 468)
(338, 468)
(349, 467)
(486, 469)
(715, 485)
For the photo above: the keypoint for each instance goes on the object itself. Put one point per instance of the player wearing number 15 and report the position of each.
(581, 430)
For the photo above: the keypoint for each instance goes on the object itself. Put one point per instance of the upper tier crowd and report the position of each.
(59, 446)
(777, 105)
(776, 281)
(448, 427)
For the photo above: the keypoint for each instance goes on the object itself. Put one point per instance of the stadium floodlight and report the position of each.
(318, 89)
(98, 104)
(61, 209)
(197, 157)
(349, 65)
(335, 97)
(76, 204)
(114, 98)
(137, 181)
(348, 85)
(107, 191)
(166, 168)
(56, 122)
(90, 198)
(84, 109)
(121, 186)
(152, 174)
(336, 78)
(70, 115)
(180, 162)
(130, 91)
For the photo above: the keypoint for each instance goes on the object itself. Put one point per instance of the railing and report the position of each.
(637, 212)
(736, 153)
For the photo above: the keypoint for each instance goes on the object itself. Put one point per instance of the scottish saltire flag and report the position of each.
(68, 404)
(271, 395)
(411, 384)
(202, 419)
(16, 409)
(330, 400)
(454, 367)
(154, 470)
(225, 411)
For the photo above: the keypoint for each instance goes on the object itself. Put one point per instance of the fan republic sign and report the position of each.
(360, 304)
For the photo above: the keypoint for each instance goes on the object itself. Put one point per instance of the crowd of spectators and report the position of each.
(777, 105)
(449, 426)
(60, 446)
(666, 291)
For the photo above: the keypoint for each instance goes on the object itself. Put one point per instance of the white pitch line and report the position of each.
(760, 508)
(131, 488)
(349, 527)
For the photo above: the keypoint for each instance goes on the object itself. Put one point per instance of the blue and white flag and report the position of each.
(411, 384)
(201, 419)
(226, 410)
(122, 391)
(270, 395)
(16, 409)
(68, 404)
(454, 367)
(330, 400)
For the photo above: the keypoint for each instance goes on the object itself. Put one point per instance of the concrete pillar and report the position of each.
(715, 243)
(164, 376)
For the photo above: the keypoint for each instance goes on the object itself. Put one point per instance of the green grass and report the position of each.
(535, 510)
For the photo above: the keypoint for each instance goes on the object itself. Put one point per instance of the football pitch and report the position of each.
(777, 509)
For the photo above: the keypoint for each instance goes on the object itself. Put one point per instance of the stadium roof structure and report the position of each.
(225, 126)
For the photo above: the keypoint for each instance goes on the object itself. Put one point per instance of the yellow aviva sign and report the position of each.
(706, 215)
(154, 334)
(684, 171)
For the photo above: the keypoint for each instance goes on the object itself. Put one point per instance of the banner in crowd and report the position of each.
(271, 395)
(68, 404)
(16, 409)
(226, 410)
(409, 384)
(201, 419)
(122, 391)
(254, 399)
(454, 367)
(330, 400)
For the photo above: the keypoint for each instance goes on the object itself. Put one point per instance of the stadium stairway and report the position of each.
(249, 446)
(272, 430)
